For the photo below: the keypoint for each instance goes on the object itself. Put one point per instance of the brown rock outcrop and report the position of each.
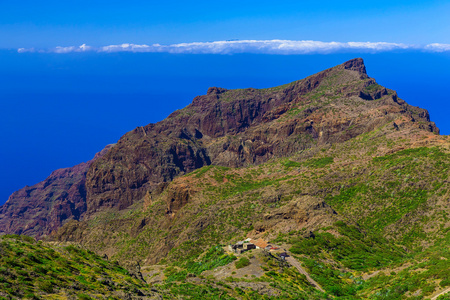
(306, 212)
(177, 196)
(39, 209)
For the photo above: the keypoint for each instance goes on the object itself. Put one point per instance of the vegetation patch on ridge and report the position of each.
(36, 270)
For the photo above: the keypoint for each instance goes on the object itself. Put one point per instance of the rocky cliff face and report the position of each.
(231, 128)
(39, 209)
(237, 128)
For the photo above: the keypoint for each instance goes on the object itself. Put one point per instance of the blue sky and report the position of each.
(58, 106)
(45, 24)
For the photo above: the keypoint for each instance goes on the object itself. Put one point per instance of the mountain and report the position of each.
(232, 128)
(337, 170)
(236, 128)
(44, 207)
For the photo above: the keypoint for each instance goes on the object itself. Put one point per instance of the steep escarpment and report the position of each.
(384, 182)
(230, 128)
(237, 128)
(44, 207)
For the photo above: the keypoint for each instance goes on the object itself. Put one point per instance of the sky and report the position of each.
(45, 24)
(76, 76)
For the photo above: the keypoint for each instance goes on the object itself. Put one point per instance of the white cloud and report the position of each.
(24, 50)
(125, 48)
(252, 46)
(436, 47)
(82, 48)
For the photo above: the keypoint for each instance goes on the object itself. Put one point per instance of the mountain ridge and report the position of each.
(203, 123)
(310, 128)
(194, 136)
(44, 207)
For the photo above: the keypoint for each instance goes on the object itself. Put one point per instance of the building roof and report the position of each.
(260, 243)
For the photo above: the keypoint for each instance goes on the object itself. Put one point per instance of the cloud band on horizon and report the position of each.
(285, 47)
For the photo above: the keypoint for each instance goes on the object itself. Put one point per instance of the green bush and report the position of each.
(242, 262)
(291, 164)
(444, 297)
(445, 282)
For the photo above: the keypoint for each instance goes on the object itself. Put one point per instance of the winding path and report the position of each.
(441, 293)
(295, 263)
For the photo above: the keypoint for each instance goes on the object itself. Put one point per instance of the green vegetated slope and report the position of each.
(390, 238)
(37, 270)
(368, 218)
(194, 278)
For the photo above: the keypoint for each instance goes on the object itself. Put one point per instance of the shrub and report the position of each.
(444, 297)
(319, 162)
(445, 282)
(242, 262)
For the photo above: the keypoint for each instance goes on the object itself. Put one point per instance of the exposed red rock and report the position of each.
(236, 128)
(231, 128)
(39, 209)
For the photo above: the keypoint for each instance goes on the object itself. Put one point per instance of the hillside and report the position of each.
(36, 270)
(339, 207)
(335, 169)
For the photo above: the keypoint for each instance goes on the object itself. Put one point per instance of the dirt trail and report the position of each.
(441, 293)
(295, 263)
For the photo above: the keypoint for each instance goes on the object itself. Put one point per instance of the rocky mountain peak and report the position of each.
(356, 64)
(215, 90)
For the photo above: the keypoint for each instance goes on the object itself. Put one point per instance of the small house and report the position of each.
(237, 248)
(248, 246)
(260, 243)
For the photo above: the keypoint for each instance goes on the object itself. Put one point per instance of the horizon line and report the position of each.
(274, 46)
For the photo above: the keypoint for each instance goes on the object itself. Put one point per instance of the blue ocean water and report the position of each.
(57, 110)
